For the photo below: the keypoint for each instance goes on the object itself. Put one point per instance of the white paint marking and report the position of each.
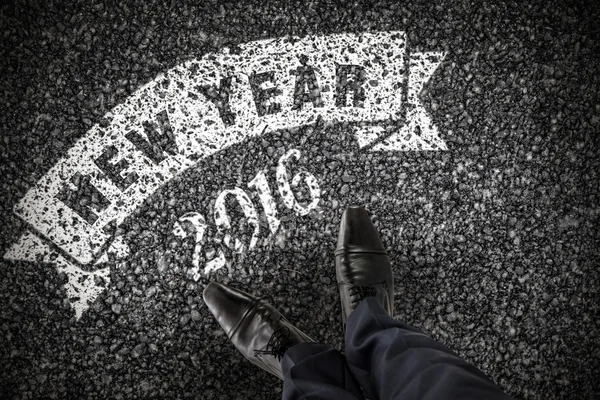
(81, 288)
(419, 132)
(261, 185)
(223, 222)
(285, 189)
(144, 151)
(366, 135)
(198, 223)
(199, 131)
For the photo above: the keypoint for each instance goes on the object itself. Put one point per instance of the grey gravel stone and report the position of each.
(116, 308)
(196, 316)
(184, 319)
(494, 243)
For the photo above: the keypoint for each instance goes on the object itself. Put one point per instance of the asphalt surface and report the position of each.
(494, 243)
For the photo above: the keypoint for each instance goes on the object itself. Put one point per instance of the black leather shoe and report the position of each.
(254, 326)
(362, 266)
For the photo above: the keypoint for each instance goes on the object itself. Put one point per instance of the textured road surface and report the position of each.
(494, 243)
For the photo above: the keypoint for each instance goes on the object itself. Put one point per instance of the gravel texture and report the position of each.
(494, 243)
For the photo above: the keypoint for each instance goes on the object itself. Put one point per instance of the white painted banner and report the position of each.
(206, 105)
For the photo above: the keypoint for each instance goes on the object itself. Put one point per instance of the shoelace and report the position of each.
(278, 344)
(360, 292)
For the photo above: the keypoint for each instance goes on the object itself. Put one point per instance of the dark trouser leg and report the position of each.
(316, 371)
(393, 360)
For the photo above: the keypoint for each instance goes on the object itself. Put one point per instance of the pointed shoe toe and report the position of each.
(255, 327)
(228, 305)
(357, 232)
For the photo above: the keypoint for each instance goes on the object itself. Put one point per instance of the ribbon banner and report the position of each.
(202, 107)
